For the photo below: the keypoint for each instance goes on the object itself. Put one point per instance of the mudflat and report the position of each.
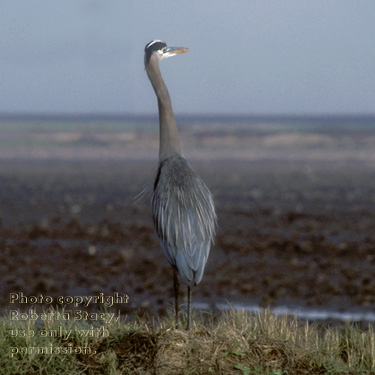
(296, 225)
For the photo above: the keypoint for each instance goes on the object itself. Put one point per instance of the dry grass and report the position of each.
(235, 343)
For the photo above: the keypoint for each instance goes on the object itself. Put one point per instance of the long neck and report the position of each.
(169, 139)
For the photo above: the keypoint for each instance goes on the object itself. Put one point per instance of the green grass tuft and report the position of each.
(235, 343)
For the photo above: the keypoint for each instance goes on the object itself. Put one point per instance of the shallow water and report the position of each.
(312, 314)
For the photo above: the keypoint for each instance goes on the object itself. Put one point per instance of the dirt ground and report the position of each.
(289, 232)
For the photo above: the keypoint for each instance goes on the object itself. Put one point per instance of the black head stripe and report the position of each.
(153, 46)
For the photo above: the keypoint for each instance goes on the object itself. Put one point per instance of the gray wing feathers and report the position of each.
(184, 217)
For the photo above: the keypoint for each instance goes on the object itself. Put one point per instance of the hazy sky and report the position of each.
(246, 56)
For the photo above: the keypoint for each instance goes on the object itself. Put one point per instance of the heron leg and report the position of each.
(176, 286)
(189, 288)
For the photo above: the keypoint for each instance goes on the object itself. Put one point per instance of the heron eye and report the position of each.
(164, 49)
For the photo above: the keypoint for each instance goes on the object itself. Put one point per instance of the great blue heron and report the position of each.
(182, 205)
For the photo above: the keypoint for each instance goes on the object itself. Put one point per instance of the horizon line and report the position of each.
(187, 116)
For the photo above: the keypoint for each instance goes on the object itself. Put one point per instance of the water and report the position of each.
(116, 123)
(205, 137)
(299, 312)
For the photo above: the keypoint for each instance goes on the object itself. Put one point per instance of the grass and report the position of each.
(235, 343)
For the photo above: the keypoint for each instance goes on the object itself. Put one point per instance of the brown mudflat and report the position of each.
(289, 232)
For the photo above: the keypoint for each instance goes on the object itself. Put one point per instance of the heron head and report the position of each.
(161, 50)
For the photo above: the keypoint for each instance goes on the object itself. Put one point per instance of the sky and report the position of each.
(262, 57)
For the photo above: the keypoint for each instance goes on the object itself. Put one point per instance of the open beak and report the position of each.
(172, 51)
